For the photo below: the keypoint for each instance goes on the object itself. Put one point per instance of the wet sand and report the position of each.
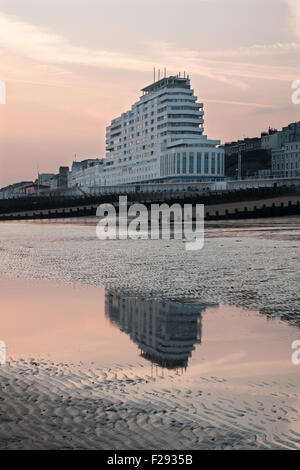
(50, 406)
(77, 378)
(234, 268)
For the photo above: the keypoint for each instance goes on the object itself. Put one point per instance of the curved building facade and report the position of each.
(159, 139)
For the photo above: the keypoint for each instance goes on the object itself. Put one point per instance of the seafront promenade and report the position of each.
(240, 203)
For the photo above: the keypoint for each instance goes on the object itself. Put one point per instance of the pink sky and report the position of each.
(70, 66)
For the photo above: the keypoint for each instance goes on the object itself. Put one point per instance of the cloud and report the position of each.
(42, 45)
(241, 103)
(224, 70)
(294, 14)
(256, 50)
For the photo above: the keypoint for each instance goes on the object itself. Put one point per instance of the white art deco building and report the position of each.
(165, 332)
(159, 139)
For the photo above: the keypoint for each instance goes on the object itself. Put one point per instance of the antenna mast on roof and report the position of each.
(154, 74)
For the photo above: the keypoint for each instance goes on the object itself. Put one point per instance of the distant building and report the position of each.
(286, 160)
(274, 153)
(254, 163)
(34, 188)
(245, 145)
(291, 133)
(61, 179)
(45, 178)
(286, 156)
(14, 190)
(86, 173)
(271, 139)
(22, 189)
(87, 163)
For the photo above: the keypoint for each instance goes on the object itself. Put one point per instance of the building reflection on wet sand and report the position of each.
(165, 331)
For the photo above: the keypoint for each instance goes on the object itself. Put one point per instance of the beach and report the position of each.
(243, 267)
(79, 377)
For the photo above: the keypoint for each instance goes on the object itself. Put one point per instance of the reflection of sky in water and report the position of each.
(88, 324)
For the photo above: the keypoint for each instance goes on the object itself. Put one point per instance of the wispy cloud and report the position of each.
(294, 13)
(225, 69)
(43, 45)
(256, 50)
(240, 103)
(40, 44)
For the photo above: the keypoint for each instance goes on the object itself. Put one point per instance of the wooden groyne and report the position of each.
(241, 204)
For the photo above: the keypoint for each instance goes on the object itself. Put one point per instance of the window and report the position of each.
(198, 162)
(206, 163)
(219, 163)
(173, 163)
(178, 163)
(191, 163)
(213, 164)
(184, 163)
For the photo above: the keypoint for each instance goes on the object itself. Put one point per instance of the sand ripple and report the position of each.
(54, 406)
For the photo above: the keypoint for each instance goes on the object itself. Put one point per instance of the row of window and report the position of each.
(286, 166)
(192, 163)
(134, 115)
(177, 124)
(292, 147)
